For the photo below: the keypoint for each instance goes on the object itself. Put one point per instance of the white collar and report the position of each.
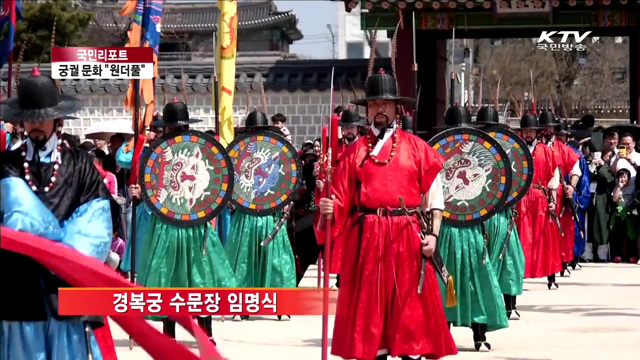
(552, 141)
(387, 135)
(46, 154)
(376, 131)
(533, 145)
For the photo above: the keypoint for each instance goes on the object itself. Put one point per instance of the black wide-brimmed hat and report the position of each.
(488, 116)
(529, 122)
(256, 120)
(407, 123)
(563, 128)
(456, 116)
(547, 119)
(38, 99)
(307, 154)
(175, 113)
(351, 117)
(381, 86)
(633, 129)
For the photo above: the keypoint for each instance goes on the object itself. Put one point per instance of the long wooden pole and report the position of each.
(414, 69)
(136, 135)
(12, 16)
(327, 237)
(216, 94)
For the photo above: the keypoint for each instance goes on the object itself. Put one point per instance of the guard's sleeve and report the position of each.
(576, 170)
(555, 180)
(435, 195)
(24, 211)
(89, 229)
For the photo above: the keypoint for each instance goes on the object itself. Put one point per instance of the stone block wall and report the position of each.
(304, 110)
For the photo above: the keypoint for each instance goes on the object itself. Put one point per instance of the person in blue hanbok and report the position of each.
(581, 196)
(53, 191)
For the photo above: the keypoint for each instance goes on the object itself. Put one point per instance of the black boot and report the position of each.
(381, 357)
(551, 282)
(280, 317)
(206, 324)
(480, 337)
(565, 270)
(515, 308)
(169, 328)
(575, 264)
(448, 323)
(338, 281)
(509, 304)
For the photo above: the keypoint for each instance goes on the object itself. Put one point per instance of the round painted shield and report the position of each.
(521, 163)
(476, 175)
(186, 178)
(267, 172)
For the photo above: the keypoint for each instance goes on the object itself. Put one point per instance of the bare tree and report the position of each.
(558, 79)
(118, 35)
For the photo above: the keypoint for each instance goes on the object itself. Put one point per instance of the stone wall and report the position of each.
(303, 110)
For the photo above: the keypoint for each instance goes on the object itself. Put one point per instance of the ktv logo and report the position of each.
(546, 41)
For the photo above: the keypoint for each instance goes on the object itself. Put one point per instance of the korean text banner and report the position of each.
(186, 301)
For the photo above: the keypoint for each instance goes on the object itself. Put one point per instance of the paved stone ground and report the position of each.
(594, 315)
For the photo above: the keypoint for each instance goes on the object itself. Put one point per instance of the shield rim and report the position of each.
(500, 205)
(275, 209)
(528, 155)
(225, 199)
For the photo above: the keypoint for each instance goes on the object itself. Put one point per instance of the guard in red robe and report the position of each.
(350, 121)
(536, 209)
(379, 311)
(568, 162)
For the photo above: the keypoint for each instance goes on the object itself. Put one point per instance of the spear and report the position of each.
(136, 135)
(216, 97)
(414, 68)
(327, 240)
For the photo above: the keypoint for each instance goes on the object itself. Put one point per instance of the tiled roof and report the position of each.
(205, 17)
(280, 75)
(446, 5)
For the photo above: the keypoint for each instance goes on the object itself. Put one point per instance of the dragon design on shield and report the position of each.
(185, 177)
(260, 171)
(466, 174)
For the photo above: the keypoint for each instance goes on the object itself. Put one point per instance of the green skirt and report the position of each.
(272, 265)
(174, 256)
(479, 297)
(510, 269)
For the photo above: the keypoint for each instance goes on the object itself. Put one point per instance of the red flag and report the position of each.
(84, 271)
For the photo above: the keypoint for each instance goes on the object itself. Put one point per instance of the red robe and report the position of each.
(378, 303)
(541, 250)
(3, 140)
(566, 159)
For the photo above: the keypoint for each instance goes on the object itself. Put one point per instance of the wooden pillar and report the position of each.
(634, 75)
(432, 65)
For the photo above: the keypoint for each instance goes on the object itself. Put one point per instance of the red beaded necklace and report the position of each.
(56, 166)
(371, 139)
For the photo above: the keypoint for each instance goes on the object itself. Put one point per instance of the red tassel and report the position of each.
(135, 162)
(3, 140)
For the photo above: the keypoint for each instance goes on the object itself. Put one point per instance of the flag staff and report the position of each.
(216, 97)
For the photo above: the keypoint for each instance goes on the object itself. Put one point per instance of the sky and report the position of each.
(313, 17)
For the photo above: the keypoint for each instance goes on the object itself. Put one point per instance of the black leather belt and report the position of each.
(383, 212)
